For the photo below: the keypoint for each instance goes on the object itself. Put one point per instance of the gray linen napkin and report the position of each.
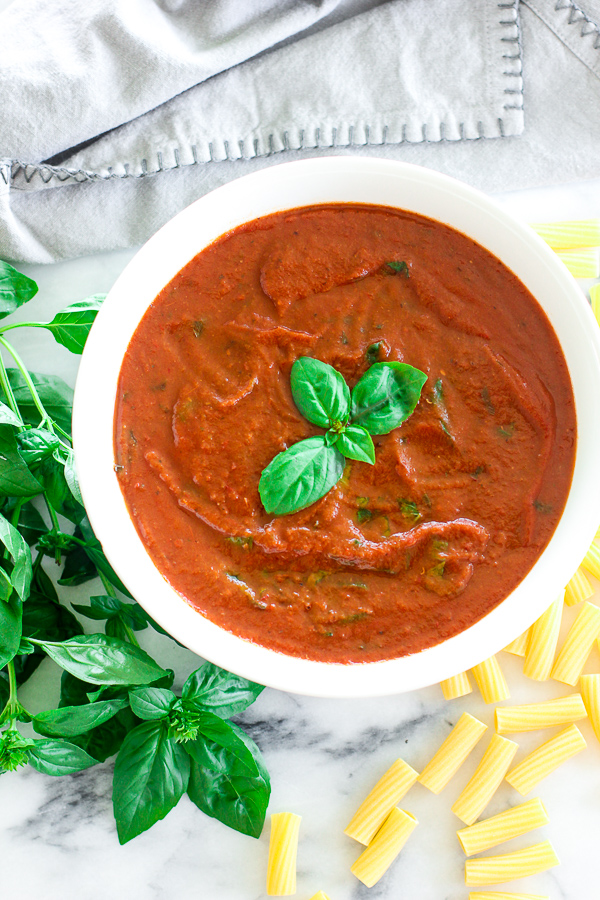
(115, 114)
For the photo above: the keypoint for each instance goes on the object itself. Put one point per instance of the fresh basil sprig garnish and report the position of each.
(385, 396)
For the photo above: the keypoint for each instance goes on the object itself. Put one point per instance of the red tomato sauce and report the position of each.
(399, 556)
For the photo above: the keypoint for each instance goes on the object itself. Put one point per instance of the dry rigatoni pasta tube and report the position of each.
(578, 589)
(510, 866)
(452, 753)
(490, 680)
(504, 895)
(478, 792)
(590, 691)
(283, 847)
(591, 561)
(385, 847)
(388, 791)
(542, 642)
(595, 301)
(457, 686)
(532, 716)
(571, 234)
(545, 759)
(518, 647)
(578, 643)
(506, 825)
(581, 263)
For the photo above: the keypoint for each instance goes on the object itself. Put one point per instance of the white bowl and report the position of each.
(324, 180)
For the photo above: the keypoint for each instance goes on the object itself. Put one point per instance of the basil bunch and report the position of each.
(115, 699)
(382, 399)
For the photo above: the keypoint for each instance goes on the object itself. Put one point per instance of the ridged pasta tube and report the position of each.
(542, 642)
(545, 759)
(478, 792)
(591, 561)
(510, 866)
(518, 647)
(578, 644)
(571, 234)
(457, 686)
(506, 825)
(532, 716)
(581, 263)
(590, 691)
(283, 847)
(376, 859)
(490, 681)
(388, 791)
(578, 589)
(452, 753)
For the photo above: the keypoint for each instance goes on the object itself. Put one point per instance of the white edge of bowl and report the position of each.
(304, 183)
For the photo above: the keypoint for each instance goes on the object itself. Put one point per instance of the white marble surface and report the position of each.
(57, 836)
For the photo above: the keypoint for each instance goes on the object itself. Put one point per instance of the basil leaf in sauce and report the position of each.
(319, 392)
(299, 476)
(15, 289)
(356, 443)
(56, 757)
(386, 395)
(151, 775)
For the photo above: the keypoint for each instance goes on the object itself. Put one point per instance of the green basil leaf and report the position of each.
(6, 586)
(107, 739)
(15, 478)
(8, 417)
(71, 477)
(36, 444)
(103, 660)
(20, 555)
(70, 721)
(299, 476)
(51, 472)
(56, 757)
(356, 443)
(93, 548)
(78, 567)
(151, 703)
(11, 616)
(219, 691)
(151, 775)
(386, 396)
(72, 325)
(319, 392)
(400, 267)
(15, 289)
(228, 778)
(54, 393)
(31, 524)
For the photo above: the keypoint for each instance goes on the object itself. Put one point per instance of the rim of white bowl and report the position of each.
(304, 183)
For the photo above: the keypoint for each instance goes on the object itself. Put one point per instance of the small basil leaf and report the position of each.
(70, 721)
(20, 555)
(228, 779)
(54, 393)
(356, 443)
(103, 660)
(31, 524)
(151, 775)
(36, 444)
(93, 548)
(15, 289)
(400, 267)
(15, 478)
(319, 392)
(71, 477)
(56, 757)
(151, 703)
(8, 417)
(11, 616)
(386, 395)
(51, 472)
(299, 476)
(220, 691)
(72, 325)
(101, 607)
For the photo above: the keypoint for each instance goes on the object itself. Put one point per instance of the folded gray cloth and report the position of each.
(115, 114)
